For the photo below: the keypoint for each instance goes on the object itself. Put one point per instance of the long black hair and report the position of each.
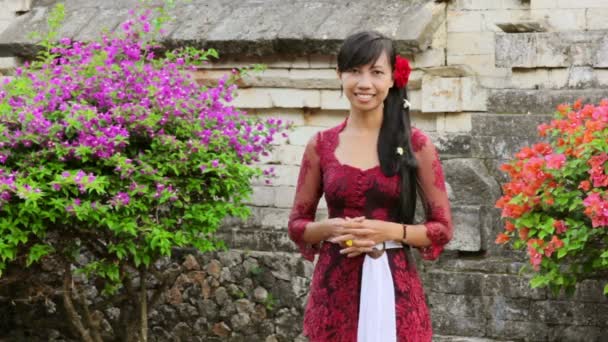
(364, 48)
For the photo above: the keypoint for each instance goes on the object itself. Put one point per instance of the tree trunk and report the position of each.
(69, 305)
(143, 306)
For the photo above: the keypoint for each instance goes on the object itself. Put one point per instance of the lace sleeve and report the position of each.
(431, 185)
(308, 193)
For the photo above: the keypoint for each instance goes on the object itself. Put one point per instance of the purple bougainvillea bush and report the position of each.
(112, 147)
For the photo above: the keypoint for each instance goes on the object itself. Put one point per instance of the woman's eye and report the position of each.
(378, 72)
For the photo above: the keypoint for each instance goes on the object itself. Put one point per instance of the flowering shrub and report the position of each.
(556, 202)
(107, 148)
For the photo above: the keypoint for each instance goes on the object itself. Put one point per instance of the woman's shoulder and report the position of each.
(419, 139)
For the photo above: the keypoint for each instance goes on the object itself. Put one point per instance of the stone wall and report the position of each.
(9, 10)
(491, 73)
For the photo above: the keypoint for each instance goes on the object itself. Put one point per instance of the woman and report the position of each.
(370, 168)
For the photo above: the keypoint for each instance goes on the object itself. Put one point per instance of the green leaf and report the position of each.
(37, 252)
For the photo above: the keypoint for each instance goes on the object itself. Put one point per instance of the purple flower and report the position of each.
(5, 195)
(215, 163)
(120, 199)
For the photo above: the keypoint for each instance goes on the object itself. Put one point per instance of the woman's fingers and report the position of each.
(356, 231)
(361, 246)
(354, 251)
(342, 238)
(357, 219)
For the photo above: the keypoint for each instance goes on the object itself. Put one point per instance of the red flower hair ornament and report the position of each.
(401, 71)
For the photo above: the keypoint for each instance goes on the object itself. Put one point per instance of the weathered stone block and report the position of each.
(10, 7)
(554, 78)
(449, 71)
(300, 136)
(568, 312)
(540, 4)
(464, 21)
(506, 124)
(566, 19)
(260, 240)
(491, 82)
(501, 308)
(294, 116)
(325, 118)
(454, 122)
(252, 98)
(470, 181)
(491, 225)
(523, 26)
(473, 97)
(446, 324)
(600, 60)
(262, 196)
(465, 219)
(295, 98)
(285, 175)
(287, 155)
(457, 305)
(452, 145)
(518, 330)
(601, 77)
(550, 54)
(452, 94)
(478, 4)
(581, 77)
(582, 4)
(482, 65)
(453, 282)
(284, 78)
(502, 147)
(595, 19)
(415, 98)
(334, 100)
(426, 122)
(577, 333)
(470, 43)
(515, 50)
(551, 49)
(283, 196)
(441, 94)
(428, 58)
(491, 19)
(537, 101)
(510, 288)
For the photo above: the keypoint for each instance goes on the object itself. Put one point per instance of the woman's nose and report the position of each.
(364, 81)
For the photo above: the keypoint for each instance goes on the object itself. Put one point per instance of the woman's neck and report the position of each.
(365, 121)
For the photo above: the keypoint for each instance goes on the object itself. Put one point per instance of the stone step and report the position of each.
(451, 338)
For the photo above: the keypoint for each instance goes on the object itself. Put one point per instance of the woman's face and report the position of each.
(367, 86)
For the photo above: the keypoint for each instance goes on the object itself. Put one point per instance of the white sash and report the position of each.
(377, 318)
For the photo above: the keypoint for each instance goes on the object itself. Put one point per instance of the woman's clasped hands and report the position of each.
(356, 235)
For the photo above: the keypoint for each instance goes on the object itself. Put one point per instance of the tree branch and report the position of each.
(93, 325)
(143, 301)
(69, 305)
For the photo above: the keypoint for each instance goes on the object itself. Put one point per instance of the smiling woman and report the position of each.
(371, 169)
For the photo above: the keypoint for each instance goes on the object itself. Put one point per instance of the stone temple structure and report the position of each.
(486, 73)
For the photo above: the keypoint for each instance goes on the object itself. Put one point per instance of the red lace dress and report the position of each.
(333, 304)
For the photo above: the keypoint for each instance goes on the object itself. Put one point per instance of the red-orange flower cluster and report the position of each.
(555, 179)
